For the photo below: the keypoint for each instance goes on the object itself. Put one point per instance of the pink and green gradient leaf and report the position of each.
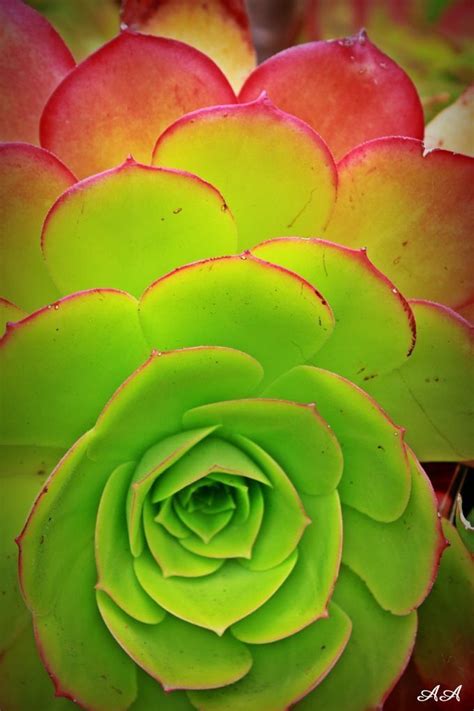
(123, 96)
(371, 315)
(273, 683)
(432, 393)
(34, 61)
(347, 90)
(32, 178)
(219, 28)
(376, 655)
(62, 363)
(275, 173)
(413, 212)
(132, 225)
(238, 302)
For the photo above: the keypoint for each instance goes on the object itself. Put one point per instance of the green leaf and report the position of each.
(24, 682)
(376, 478)
(215, 601)
(444, 652)
(295, 436)
(304, 595)
(152, 696)
(432, 393)
(58, 575)
(170, 521)
(370, 313)
(169, 384)
(275, 173)
(413, 544)
(152, 464)
(9, 313)
(213, 455)
(32, 179)
(240, 302)
(284, 671)
(23, 471)
(133, 224)
(178, 655)
(172, 558)
(203, 525)
(114, 559)
(281, 503)
(61, 365)
(376, 655)
(77, 648)
(238, 538)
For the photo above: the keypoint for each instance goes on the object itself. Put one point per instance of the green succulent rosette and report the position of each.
(215, 445)
(244, 526)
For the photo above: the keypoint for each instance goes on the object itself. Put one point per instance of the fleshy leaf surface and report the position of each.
(347, 90)
(275, 173)
(34, 60)
(132, 225)
(295, 436)
(24, 682)
(273, 683)
(412, 210)
(451, 129)
(23, 471)
(443, 652)
(239, 302)
(62, 363)
(172, 558)
(215, 601)
(413, 544)
(58, 575)
(169, 383)
(151, 466)
(238, 538)
(151, 695)
(32, 178)
(177, 654)
(367, 308)
(219, 28)
(376, 478)
(9, 313)
(432, 393)
(114, 560)
(304, 596)
(377, 652)
(123, 112)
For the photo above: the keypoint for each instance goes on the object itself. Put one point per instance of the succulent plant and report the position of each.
(212, 418)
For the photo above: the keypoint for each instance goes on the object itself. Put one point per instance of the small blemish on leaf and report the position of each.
(177, 210)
